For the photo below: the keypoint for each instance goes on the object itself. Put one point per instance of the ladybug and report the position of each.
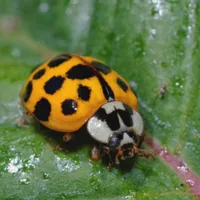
(70, 91)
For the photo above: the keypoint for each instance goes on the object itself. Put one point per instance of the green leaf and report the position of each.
(151, 43)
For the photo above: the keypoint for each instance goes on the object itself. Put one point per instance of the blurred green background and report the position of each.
(151, 43)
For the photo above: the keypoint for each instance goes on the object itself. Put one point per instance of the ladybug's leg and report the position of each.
(95, 153)
(107, 151)
(24, 119)
(110, 165)
(119, 154)
(67, 137)
(58, 148)
(144, 153)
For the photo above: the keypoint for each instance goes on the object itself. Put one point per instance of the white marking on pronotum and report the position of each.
(137, 123)
(99, 130)
(126, 139)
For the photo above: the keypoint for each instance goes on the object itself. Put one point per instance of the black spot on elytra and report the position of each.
(122, 84)
(84, 92)
(85, 72)
(42, 110)
(107, 90)
(101, 67)
(53, 84)
(39, 74)
(80, 72)
(134, 92)
(28, 91)
(55, 62)
(69, 107)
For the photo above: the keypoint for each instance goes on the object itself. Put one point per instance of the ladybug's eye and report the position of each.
(114, 141)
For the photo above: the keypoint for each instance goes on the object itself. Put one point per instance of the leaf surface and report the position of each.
(150, 43)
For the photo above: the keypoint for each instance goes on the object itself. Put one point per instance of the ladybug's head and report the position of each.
(117, 126)
(124, 144)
